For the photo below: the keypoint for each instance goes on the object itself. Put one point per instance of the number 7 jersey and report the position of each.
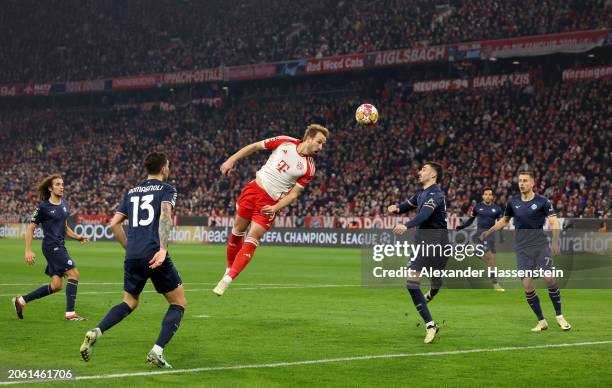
(142, 207)
(285, 167)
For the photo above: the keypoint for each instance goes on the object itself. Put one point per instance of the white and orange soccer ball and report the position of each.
(366, 114)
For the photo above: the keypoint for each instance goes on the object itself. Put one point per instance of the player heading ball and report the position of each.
(278, 184)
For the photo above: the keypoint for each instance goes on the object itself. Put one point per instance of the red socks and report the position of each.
(233, 247)
(243, 257)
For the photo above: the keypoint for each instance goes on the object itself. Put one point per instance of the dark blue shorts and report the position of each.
(136, 273)
(431, 263)
(534, 258)
(58, 261)
(489, 244)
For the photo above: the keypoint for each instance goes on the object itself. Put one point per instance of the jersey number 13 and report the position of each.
(144, 203)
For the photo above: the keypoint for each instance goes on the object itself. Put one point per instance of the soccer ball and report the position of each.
(366, 114)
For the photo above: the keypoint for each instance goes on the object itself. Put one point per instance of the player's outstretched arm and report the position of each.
(71, 234)
(228, 165)
(467, 223)
(422, 216)
(117, 229)
(30, 257)
(287, 200)
(499, 225)
(403, 207)
(165, 227)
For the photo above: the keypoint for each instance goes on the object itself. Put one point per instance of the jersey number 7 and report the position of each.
(145, 204)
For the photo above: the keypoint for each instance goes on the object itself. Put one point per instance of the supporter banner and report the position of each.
(85, 86)
(37, 89)
(408, 56)
(578, 74)
(374, 222)
(440, 85)
(496, 81)
(228, 221)
(192, 76)
(570, 42)
(92, 219)
(216, 102)
(136, 82)
(247, 72)
(489, 81)
(10, 90)
(335, 64)
(371, 222)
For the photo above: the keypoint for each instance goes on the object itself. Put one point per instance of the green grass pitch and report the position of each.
(299, 304)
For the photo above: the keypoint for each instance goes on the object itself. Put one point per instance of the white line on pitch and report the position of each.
(233, 288)
(321, 361)
(199, 283)
(202, 316)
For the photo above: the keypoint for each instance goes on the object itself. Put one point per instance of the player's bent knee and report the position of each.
(131, 300)
(413, 283)
(252, 240)
(57, 284)
(56, 287)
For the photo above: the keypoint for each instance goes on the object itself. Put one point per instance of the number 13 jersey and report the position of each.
(142, 207)
(285, 167)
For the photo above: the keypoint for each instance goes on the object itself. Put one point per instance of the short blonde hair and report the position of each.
(313, 129)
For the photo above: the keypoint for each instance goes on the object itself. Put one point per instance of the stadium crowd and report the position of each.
(482, 137)
(76, 40)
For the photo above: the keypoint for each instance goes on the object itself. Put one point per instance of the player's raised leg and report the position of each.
(170, 324)
(243, 257)
(115, 315)
(236, 238)
(54, 286)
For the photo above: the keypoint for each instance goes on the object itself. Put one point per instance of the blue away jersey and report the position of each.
(431, 208)
(485, 215)
(52, 219)
(142, 207)
(529, 219)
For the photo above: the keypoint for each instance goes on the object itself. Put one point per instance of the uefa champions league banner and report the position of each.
(573, 239)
